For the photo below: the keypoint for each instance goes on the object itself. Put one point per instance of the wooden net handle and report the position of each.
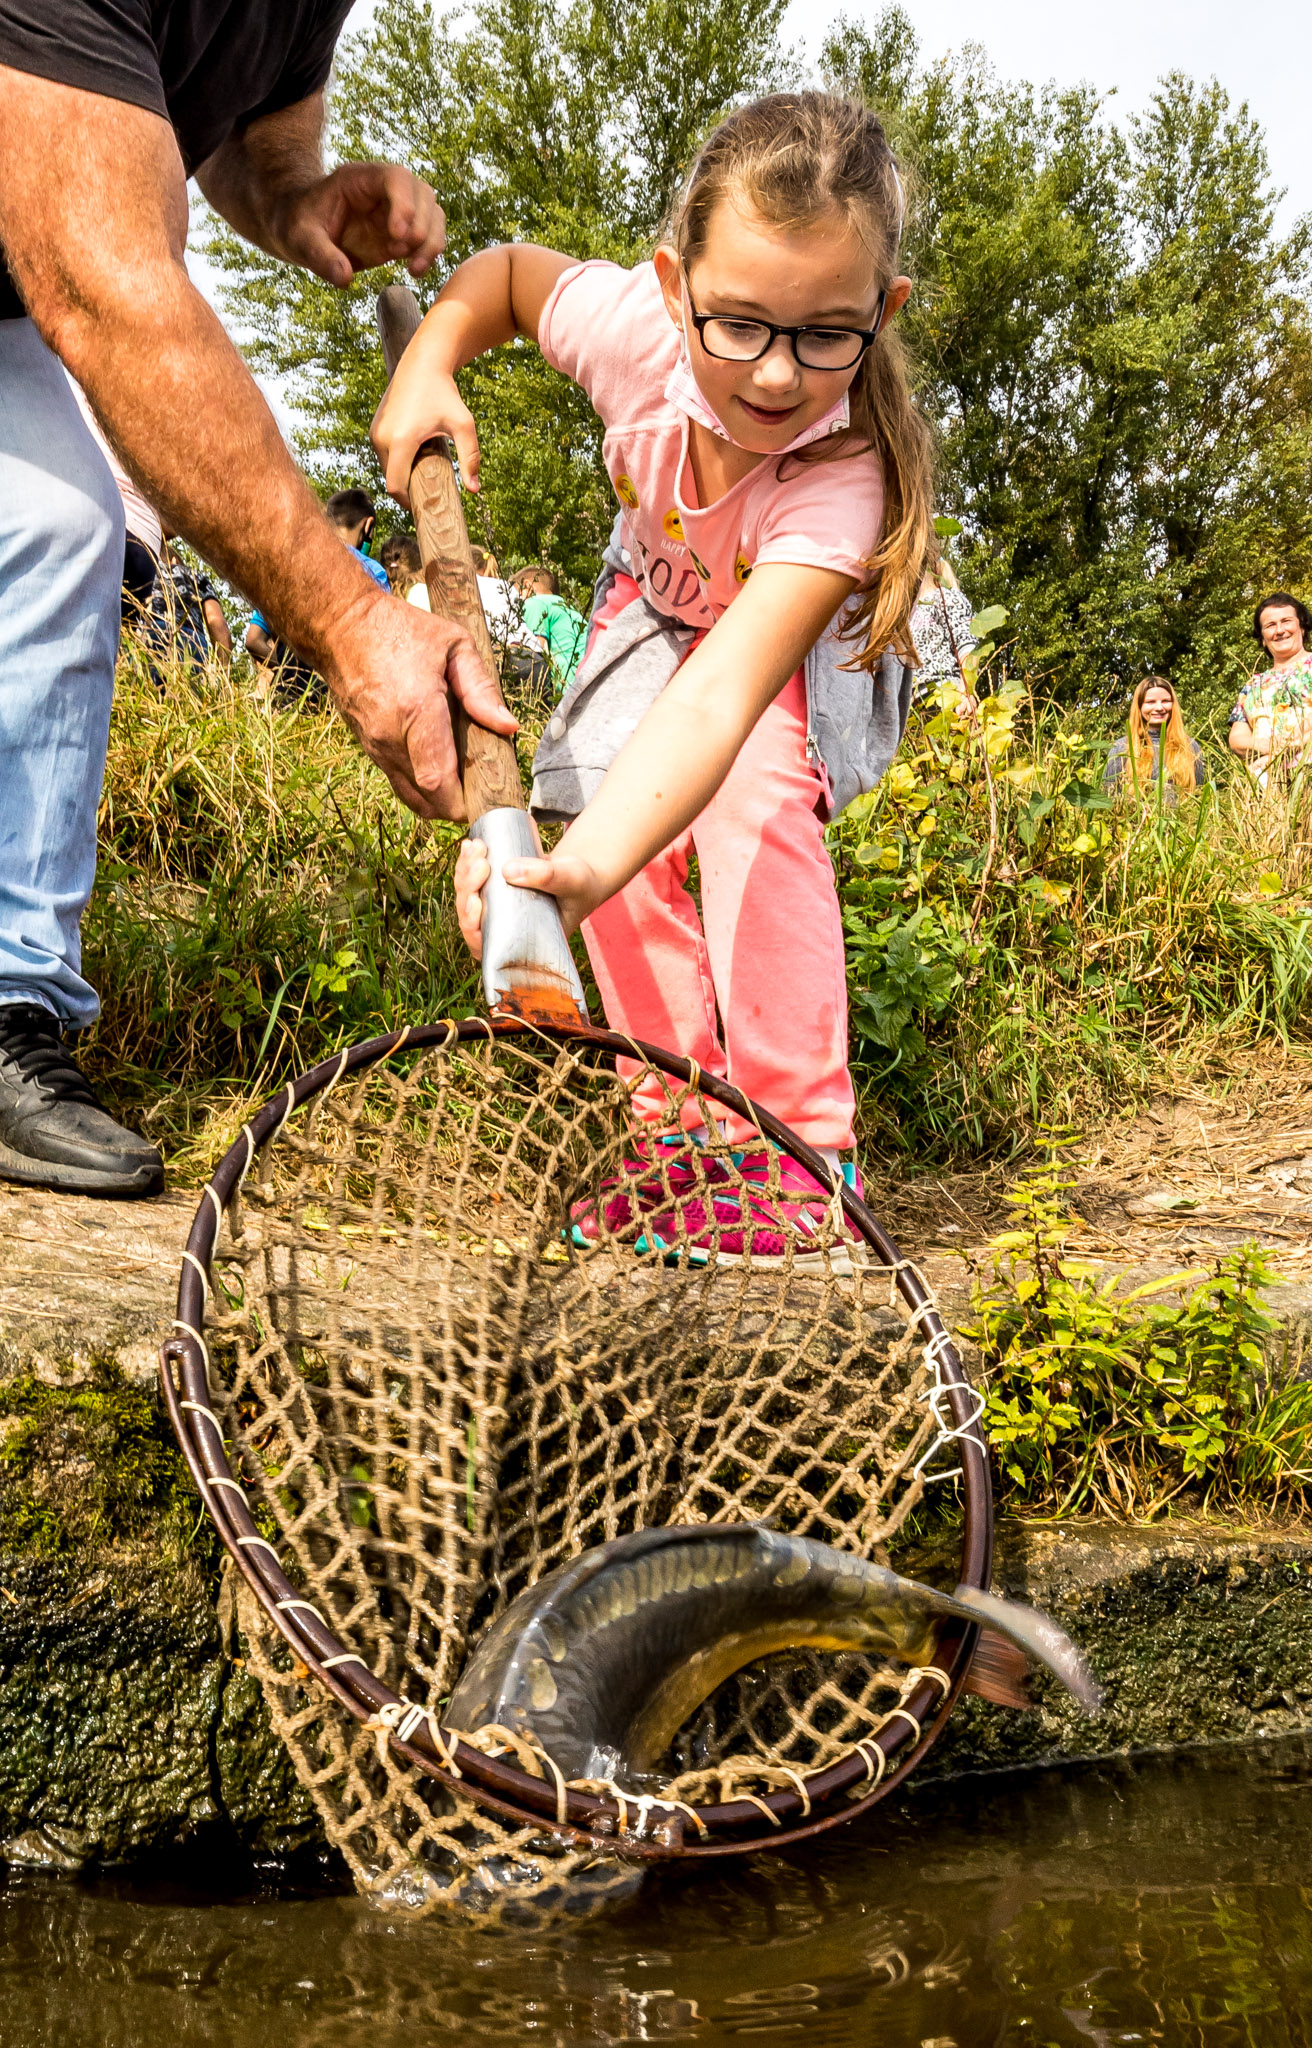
(489, 767)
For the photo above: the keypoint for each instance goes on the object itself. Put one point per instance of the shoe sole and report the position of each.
(842, 1261)
(52, 1175)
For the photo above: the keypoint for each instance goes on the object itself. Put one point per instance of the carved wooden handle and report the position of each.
(489, 767)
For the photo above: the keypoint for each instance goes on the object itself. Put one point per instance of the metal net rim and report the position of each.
(829, 1796)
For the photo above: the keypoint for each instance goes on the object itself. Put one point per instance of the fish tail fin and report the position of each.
(1035, 1635)
(1000, 1671)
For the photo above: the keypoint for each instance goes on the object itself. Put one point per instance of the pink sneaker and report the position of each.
(659, 1190)
(800, 1216)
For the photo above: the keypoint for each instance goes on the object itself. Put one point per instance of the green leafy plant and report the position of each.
(1105, 1397)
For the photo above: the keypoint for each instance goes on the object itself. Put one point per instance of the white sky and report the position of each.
(1263, 56)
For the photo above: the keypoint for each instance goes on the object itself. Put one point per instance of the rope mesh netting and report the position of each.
(455, 1339)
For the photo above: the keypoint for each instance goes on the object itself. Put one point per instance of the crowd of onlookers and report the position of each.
(174, 612)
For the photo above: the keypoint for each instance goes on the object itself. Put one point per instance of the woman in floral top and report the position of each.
(1275, 711)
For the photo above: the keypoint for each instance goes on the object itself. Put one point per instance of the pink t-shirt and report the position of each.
(608, 330)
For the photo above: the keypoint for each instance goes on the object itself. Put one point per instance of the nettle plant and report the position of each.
(1100, 1396)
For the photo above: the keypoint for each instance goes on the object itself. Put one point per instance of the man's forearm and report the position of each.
(151, 366)
(94, 226)
(250, 177)
(93, 219)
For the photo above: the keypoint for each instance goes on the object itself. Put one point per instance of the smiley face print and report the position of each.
(626, 493)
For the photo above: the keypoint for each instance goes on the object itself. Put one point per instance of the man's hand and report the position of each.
(268, 182)
(387, 677)
(357, 217)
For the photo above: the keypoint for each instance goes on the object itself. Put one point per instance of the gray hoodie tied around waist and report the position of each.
(854, 719)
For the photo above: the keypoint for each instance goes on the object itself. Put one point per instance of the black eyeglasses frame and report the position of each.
(866, 335)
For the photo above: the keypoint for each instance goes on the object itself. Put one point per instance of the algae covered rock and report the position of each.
(127, 1721)
(1197, 1633)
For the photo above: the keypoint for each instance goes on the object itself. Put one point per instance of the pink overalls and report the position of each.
(767, 950)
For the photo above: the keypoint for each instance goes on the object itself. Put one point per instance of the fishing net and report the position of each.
(433, 1345)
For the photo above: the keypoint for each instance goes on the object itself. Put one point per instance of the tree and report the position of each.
(1112, 340)
(534, 122)
(1115, 348)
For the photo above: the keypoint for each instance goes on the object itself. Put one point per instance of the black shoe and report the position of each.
(53, 1132)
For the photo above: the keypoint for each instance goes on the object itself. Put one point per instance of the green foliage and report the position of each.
(1112, 339)
(1099, 1396)
(1115, 346)
(88, 1466)
(564, 125)
(1023, 948)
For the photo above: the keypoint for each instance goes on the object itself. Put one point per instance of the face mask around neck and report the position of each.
(683, 391)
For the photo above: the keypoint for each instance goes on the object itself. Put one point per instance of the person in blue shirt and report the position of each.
(295, 683)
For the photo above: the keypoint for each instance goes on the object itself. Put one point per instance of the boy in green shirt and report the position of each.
(557, 625)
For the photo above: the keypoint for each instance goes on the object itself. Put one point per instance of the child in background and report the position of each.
(738, 686)
(560, 630)
(407, 573)
(294, 682)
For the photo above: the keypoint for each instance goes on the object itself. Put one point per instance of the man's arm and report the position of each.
(268, 182)
(216, 625)
(93, 217)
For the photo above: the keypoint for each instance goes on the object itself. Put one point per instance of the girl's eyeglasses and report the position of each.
(815, 348)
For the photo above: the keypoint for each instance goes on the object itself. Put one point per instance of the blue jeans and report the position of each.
(61, 565)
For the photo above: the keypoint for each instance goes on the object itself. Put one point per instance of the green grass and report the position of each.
(1099, 952)
(263, 899)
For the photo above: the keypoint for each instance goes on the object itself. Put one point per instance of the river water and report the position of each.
(1164, 1901)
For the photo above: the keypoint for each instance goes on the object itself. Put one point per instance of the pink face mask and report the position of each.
(684, 391)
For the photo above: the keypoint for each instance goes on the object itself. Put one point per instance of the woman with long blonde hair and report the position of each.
(747, 671)
(1157, 751)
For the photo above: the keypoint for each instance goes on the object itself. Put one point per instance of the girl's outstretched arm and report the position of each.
(495, 296)
(667, 773)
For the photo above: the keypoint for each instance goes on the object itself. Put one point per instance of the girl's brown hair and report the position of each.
(795, 157)
(1177, 753)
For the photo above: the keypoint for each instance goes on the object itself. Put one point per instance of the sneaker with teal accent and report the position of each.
(657, 1196)
(790, 1215)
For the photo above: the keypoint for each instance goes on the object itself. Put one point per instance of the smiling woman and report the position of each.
(1158, 755)
(1273, 718)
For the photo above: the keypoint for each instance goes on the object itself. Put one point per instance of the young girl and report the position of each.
(744, 676)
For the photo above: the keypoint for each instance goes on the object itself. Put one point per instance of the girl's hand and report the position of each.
(412, 412)
(575, 884)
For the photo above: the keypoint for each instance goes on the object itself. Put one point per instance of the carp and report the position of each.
(602, 1661)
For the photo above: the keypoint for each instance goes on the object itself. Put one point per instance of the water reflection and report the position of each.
(1164, 1902)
